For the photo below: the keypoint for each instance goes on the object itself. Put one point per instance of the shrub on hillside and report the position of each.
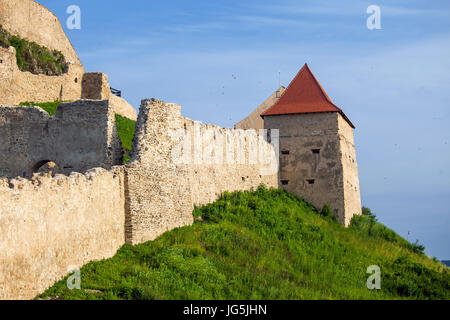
(368, 224)
(33, 57)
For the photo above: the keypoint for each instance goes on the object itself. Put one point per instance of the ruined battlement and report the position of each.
(66, 220)
(80, 136)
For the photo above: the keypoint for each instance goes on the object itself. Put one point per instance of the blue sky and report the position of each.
(221, 59)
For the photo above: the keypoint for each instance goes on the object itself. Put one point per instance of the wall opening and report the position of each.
(38, 165)
(284, 182)
(285, 152)
(310, 181)
(315, 151)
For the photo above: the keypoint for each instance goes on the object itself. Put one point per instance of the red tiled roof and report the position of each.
(304, 95)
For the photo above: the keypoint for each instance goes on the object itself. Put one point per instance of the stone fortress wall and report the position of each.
(80, 136)
(174, 165)
(224, 159)
(32, 21)
(17, 86)
(49, 224)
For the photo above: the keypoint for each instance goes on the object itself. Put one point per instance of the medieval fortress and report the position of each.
(65, 197)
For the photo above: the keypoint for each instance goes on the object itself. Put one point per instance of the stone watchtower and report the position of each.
(317, 152)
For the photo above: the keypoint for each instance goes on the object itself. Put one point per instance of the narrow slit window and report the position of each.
(284, 182)
(316, 151)
(311, 181)
(285, 152)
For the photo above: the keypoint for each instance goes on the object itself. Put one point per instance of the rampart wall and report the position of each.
(176, 164)
(80, 136)
(17, 86)
(50, 225)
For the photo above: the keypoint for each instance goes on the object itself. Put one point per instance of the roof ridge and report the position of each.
(304, 94)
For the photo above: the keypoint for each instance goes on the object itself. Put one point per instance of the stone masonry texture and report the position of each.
(51, 224)
(318, 161)
(80, 136)
(161, 193)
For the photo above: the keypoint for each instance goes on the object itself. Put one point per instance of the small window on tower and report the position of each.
(311, 181)
(285, 152)
(1, 61)
(284, 182)
(316, 151)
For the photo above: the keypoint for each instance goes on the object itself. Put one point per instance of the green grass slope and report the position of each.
(266, 244)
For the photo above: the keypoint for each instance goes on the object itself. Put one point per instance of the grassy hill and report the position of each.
(266, 244)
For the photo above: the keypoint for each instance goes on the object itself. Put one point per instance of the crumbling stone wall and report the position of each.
(96, 87)
(82, 135)
(49, 225)
(171, 169)
(158, 191)
(17, 86)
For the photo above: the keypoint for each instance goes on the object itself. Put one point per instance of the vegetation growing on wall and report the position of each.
(125, 126)
(126, 129)
(267, 244)
(50, 107)
(33, 57)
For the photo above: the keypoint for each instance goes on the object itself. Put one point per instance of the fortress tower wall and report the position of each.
(17, 86)
(352, 194)
(32, 21)
(48, 226)
(313, 160)
(82, 135)
(96, 86)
